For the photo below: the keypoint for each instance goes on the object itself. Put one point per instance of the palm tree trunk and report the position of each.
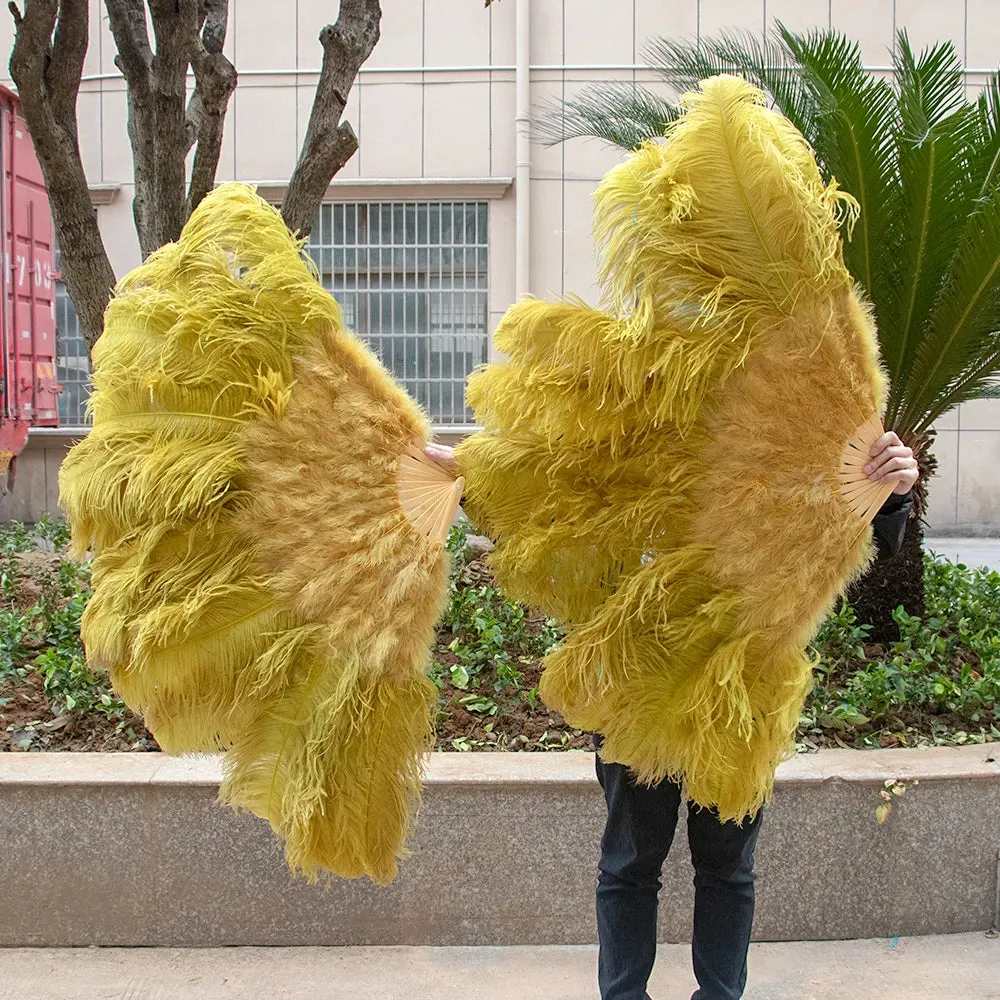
(897, 581)
(892, 583)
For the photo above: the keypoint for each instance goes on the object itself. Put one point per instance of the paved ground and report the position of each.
(957, 967)
(971, 551)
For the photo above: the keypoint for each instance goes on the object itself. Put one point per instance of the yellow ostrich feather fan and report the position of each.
(664, 476)
(258, 584)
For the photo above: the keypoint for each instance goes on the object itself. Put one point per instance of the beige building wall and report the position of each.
(434, 108)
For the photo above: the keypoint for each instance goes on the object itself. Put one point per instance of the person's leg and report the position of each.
(723, 856)
(636, 840)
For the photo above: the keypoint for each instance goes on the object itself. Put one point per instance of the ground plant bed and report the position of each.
(939, 685)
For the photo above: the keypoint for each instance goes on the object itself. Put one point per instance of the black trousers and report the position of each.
(637, 838)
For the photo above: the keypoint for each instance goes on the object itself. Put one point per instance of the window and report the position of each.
(73, 360)
(411, 278)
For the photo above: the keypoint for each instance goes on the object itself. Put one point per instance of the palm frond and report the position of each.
(986, 152)
(765, 62)
(618, 113)
(979, 382)
(989, 391)
(931, 87)
(854, 135)
(937, 129)
(982, 386)
(959, 351)
(979, 385)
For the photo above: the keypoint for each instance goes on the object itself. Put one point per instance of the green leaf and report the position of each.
(959, 357)
(620, 114)
(829, 721)
(854, 135)
(937, 127)
(765, 62)
(479, 704)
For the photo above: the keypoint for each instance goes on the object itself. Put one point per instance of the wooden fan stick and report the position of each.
(428, 493)
(863, 495)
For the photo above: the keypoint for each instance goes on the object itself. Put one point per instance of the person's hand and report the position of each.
(893, 462)
(443, 455)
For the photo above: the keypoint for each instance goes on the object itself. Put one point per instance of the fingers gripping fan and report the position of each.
(267, 537)
(679, 478)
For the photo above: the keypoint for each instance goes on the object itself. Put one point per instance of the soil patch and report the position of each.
(27, 723)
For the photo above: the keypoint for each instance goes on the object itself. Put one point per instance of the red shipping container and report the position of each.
(29, 386)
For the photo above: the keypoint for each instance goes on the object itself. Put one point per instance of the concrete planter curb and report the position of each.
(131, 850)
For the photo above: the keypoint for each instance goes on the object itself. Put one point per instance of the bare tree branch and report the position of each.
(216, 23)
(194, 118)
(175, 26)
(196, 107)
(175, 29)
(50, 44)
(135, 60)
(215, 81)
(163, 125)
(329, 142)
(135, 55)
(69, 51)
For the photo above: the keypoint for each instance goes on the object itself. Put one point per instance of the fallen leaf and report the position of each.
(21, 741)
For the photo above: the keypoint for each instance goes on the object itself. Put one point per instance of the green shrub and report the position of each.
(44, 636)
(486, 640)
(54, 530)
(940, 682)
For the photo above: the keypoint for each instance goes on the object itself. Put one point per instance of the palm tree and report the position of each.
(923, 162)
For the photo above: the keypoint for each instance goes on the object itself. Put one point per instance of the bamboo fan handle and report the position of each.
(428, 493)
(863, 496)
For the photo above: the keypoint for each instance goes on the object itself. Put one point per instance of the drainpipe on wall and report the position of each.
(522, 125)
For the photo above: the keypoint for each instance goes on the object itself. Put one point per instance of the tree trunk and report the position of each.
(50, 45)
(330, 142)
(892, 583)
(162, 125)
(899, 581)
(47, 60)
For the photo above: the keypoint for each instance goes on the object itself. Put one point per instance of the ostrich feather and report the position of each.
(662, 475)
(257, 585)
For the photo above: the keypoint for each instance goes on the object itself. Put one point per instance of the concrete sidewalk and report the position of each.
(971, 551)
(955, 967)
